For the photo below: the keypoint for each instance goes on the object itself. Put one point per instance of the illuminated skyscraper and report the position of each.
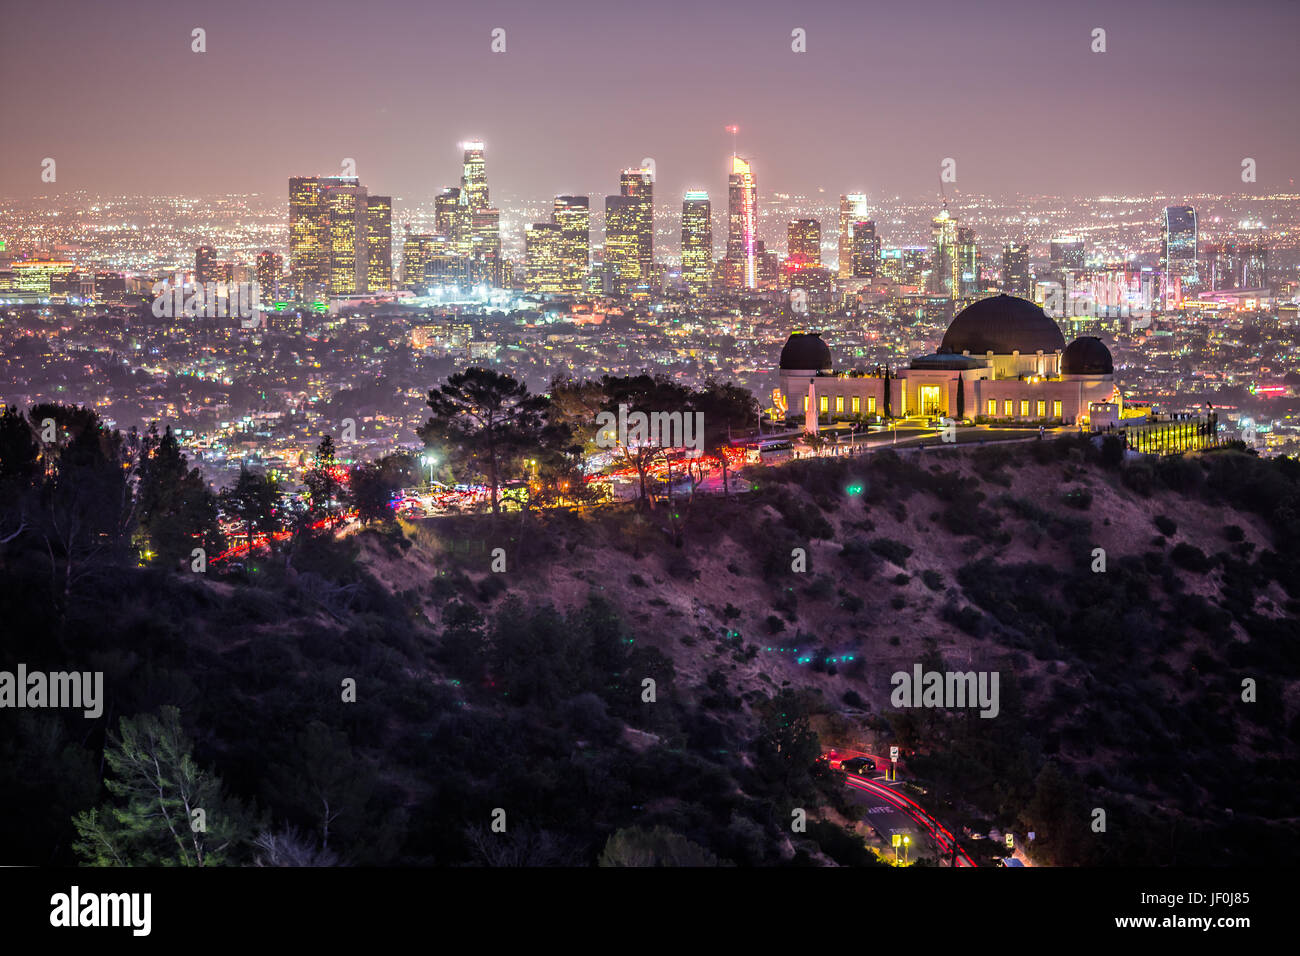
(309, 233)
(865, 254)
(473, 181)
(328, 247)
(966, 276)
(544, 257)
(1066, 253)
(804, 242)
(269, 265)
(1178, 258)
(573, 215)
(449, 214)
(1015, 269)
(638, 184)
(697, 241)
(413, 259)
(629, 232)
(945, 266)
(349, 255)
(853, 208)
(485, 246)
(205, 262)
(379, 243)
(742, 226)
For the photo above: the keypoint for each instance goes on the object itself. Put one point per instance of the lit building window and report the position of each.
(871, 404)
(857, 404)
(839, 403)
(993, 406)
(1024, 408)
(1056, 409)
(1042, 409)
(1006, 407)
(825, 403)
(805, 403)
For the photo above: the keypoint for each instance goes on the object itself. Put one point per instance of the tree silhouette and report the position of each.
(485, 420)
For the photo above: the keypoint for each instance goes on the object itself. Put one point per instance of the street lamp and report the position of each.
(429, 459)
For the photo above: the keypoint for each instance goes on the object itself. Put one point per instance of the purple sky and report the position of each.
(1009, 88)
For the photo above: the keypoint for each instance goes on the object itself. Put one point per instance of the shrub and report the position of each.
(892, 551)
(1080, 498)
(1190, 558)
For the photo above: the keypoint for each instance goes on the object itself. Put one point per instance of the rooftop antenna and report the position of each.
(733, 130)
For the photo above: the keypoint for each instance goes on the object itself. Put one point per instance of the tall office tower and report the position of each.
(1253, 264)
(269, 265)
(1066, 253)
(473, 180)
(429, 261)
(864, 254)
(309, 236)
(1178, 258)
(485, 246)
(573, 215)
(697, 241)
(205, 263)
(328, 251)
(622, 259)
(742, 226)
(413, 259)
(629, 233)
(945, 274)
(448, 213)
(544, 258)
(638, 184)
(379, 243)
(966, 276)
(853, 208)
(1015, 269)
(804, 242)
(349, 255)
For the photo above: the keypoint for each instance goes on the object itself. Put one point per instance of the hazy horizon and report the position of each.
(1184, 92)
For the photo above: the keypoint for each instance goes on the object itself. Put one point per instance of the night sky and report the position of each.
(1009, 88)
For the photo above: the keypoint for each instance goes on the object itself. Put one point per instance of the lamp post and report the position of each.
(429, 459)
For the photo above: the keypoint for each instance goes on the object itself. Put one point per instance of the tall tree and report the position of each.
(649, 395)
(324, 489)
(178, 512)
(373, 484)
(254, 500)
(485, 420)
(168, 811)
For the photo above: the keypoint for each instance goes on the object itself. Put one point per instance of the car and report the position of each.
(858, 765)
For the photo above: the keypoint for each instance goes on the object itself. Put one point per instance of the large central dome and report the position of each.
(1003, 324)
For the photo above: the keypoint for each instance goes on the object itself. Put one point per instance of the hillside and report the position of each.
(523, 689)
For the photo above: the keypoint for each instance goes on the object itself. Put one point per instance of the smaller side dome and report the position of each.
(805, 352)
(1087, 355)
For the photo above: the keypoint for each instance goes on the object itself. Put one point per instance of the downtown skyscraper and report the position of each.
(741, 262)
(1178, 253)
(573, 215)
(697, 241)
(629, 233)
(482, 242)
(333, 234)
(853, 208)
